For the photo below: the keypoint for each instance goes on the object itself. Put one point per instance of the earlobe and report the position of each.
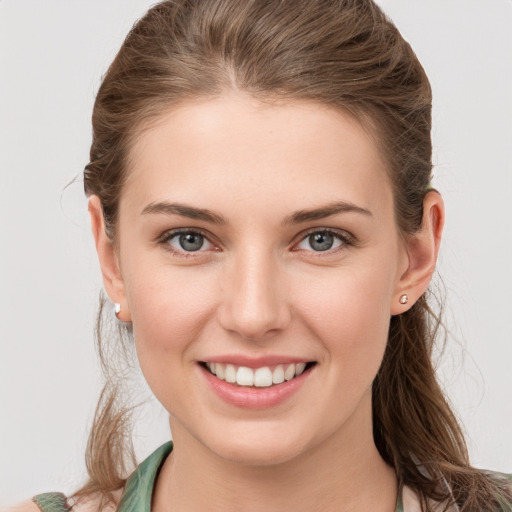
(422, 250)
(107, 256)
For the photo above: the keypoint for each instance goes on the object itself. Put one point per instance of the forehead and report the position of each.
(236, 150)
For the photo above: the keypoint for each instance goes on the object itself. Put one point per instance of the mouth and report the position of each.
(262, 377)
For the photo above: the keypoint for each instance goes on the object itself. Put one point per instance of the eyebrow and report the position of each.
(324, 211)
(298, 217)
(184, 210)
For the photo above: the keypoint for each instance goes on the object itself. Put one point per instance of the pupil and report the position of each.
(321, 241)
(191, 241)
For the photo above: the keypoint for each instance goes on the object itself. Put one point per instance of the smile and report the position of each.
(263, 377)
(251, 384)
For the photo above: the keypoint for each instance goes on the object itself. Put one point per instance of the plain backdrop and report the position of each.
(52, 56)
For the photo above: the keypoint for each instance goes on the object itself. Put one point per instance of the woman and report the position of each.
(260, 200)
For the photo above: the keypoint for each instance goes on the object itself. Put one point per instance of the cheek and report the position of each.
(348, 311)
(169, 310)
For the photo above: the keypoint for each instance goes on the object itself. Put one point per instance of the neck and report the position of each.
(344, 473)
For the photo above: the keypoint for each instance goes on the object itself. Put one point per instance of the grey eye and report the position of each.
(321, 241)
(188, 241)
(191, 241)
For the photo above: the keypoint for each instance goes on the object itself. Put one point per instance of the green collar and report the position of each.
(139, 487)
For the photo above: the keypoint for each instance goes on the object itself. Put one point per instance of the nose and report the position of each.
(254, 303)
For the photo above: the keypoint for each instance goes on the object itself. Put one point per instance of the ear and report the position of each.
(422, 250)
(109, 261)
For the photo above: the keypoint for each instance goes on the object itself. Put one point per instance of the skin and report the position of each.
(257, 287)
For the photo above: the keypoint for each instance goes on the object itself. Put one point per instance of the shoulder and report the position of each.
(25, 506)
(94, 503)
(89, 504)
(502, 483)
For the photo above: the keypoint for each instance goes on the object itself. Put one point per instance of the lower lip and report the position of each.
(253, 397)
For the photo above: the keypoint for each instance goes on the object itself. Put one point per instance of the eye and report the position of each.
(323, 241)
(186, 241)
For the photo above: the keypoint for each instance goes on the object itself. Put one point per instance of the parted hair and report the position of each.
(345, 54)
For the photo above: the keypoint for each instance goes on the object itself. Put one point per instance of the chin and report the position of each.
(261, 448)
(257, 454)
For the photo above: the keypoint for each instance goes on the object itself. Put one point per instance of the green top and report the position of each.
(137, 492)
(139, 487)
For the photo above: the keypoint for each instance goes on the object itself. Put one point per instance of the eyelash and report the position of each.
(344, 237)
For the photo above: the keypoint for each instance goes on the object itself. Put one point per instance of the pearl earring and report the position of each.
(117, 309)
(404, 299)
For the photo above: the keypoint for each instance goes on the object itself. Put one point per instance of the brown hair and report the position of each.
(341, 53)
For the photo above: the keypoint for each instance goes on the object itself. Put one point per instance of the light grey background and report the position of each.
(52, 55)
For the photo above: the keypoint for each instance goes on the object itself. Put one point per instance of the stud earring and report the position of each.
(404, 299)
(117, 310)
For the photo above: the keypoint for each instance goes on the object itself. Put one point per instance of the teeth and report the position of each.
(220, 371)
(289, 373)
(299, 368)
(244, 376)
(230, 374)
(278, 375)
(263, 377)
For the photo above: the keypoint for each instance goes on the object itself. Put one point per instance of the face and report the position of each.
(258, 242)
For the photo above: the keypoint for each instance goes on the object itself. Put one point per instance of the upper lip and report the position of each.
(256, 362)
